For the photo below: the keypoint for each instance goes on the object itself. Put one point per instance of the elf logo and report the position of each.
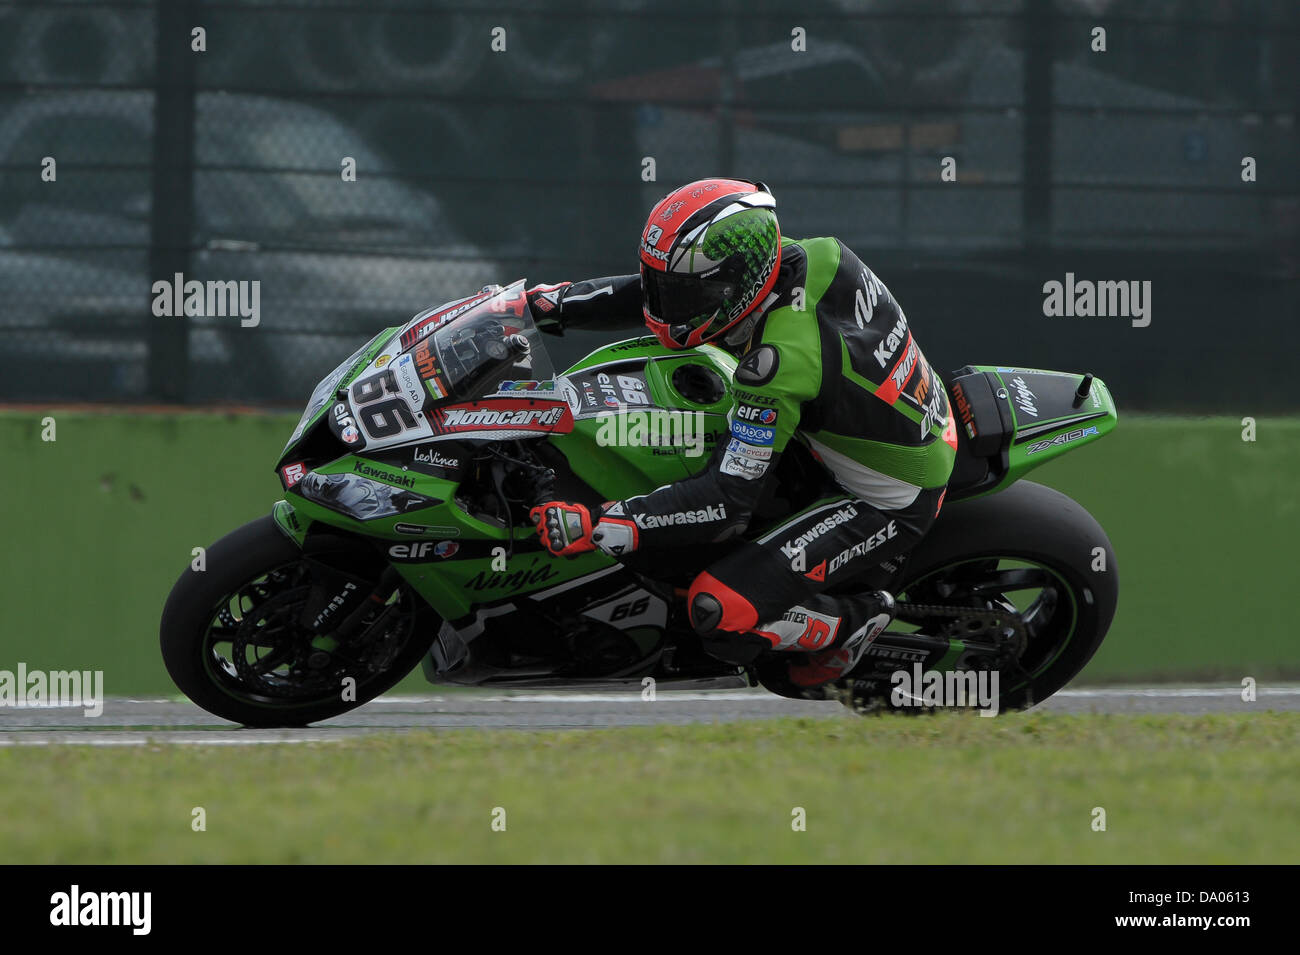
(761, 415)
(412, 552)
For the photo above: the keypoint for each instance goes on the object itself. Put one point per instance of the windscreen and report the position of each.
(494, 343)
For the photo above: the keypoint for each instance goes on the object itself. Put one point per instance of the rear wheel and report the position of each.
(1017, 570)
(233, 643)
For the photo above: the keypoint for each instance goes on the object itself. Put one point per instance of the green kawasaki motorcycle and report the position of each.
(404, 537)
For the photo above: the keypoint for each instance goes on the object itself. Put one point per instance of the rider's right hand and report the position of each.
(565, 528)
(544, 303)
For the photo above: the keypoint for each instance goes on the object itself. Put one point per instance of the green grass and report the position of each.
(952, 788)
(103, 520)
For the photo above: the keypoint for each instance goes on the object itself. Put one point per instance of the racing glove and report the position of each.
(567, 529)
(544, 303)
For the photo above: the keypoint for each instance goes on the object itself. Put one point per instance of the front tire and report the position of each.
(229, 640)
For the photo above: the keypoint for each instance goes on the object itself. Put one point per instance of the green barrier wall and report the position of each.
(99, 523)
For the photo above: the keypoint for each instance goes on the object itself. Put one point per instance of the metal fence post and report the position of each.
(172, 208)
(1036, 171)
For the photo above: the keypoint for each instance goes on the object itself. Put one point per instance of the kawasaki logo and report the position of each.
(379, 474)
(703, 516)
(794, 547)
(488, 418)
(889, 344)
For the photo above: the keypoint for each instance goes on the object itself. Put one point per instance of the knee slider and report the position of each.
(712, 606)
(705, 611)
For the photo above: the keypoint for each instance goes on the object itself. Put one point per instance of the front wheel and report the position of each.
(232, 641)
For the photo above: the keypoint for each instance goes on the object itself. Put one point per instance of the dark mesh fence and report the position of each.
(475, 166)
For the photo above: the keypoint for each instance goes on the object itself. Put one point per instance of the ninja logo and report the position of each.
(1024, 397)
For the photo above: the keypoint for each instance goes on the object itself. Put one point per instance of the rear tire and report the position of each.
(1026, 523)
(1035, 523)
(242, 556)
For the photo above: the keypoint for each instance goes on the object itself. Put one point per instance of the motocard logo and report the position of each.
(504, 418)
(704, 515)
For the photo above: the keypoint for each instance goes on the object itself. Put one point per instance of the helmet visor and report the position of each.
(681, 301)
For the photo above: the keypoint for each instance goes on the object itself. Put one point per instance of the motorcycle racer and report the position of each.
(827, 358)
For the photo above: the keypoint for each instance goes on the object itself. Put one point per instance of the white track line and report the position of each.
(633, 695)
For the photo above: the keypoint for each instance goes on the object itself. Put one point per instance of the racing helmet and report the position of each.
(710, 253)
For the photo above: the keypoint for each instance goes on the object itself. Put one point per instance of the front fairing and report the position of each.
(394, 390)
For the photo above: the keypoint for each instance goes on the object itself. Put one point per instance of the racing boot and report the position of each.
(854, 623)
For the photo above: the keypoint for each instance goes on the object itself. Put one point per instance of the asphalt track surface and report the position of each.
(126, 722)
